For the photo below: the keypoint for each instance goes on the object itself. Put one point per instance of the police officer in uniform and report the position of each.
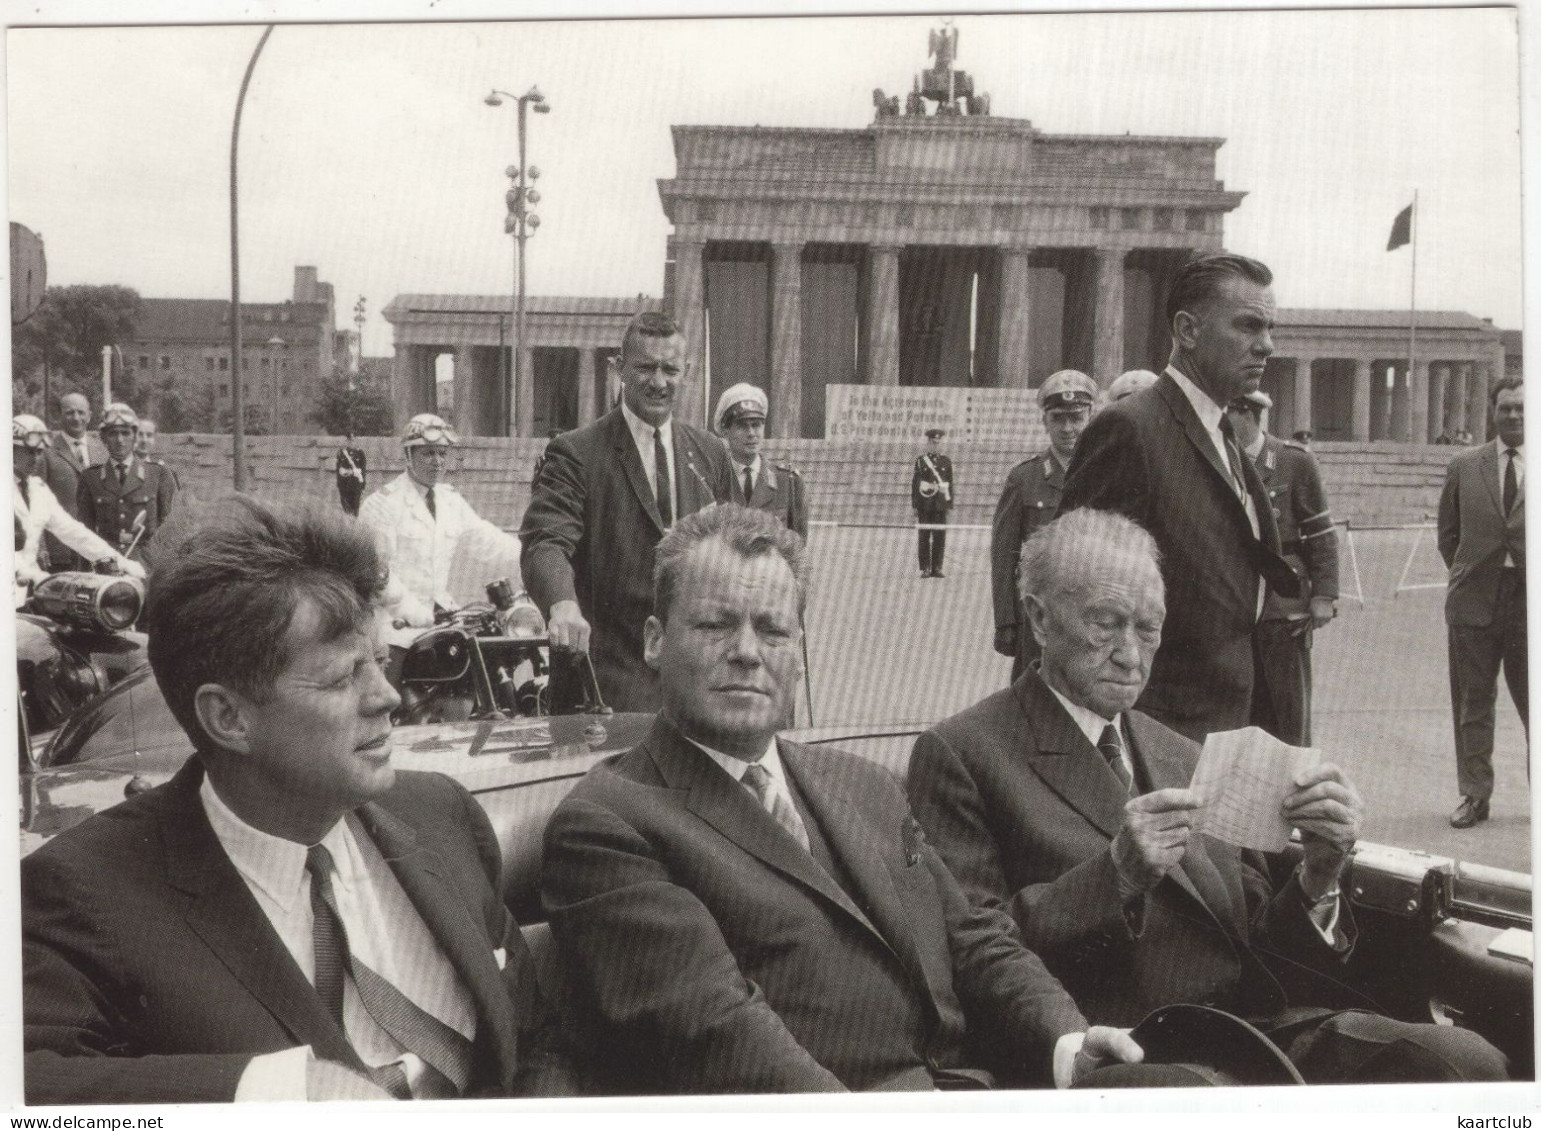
(757, 483)
(1281, 641)
(351, 475)
(931, 494)
(125, 499)
(1030, 500)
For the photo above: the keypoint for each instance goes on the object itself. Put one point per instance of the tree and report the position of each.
(58, 350)
(365, 409)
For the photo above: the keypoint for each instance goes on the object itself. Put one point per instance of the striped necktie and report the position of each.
(444, 1050)
(1112, 749)
(775, 802)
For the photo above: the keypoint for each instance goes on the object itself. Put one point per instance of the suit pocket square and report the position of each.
(500, 956)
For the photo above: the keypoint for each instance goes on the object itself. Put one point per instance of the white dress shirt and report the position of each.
(385, 932)
(642, 436)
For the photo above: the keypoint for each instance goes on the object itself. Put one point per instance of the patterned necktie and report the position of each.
(433, 510)
(1113, 750)
(1511, 481)
(776, 803)
(748, 484)
(1233, 457)
(441, 1048)
(661, 477)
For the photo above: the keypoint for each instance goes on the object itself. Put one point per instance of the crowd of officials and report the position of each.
(292, 917)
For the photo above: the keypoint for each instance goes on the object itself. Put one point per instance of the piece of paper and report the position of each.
(1242, 780)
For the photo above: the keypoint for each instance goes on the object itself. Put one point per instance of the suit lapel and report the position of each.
(222, 912)
(1068, 764)
(1487, 467)
(725, 805)
(422, 875)
(1193, 428)
(626, 452)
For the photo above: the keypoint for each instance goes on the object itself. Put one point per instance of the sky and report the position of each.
(367, 150)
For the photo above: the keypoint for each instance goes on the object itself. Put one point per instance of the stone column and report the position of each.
(588, 376)
(464, 421)
(1399, 425)
(1477, 406)
(689, 310)
(1108, 334)
(1439, 385)
(1418, 404)
(1014, 323)
(1359, 409)
(882, 314)
(1302, 406)
(414, 379)
(786, 341)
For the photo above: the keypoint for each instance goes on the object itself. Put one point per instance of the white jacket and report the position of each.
(419, 548)
(41, 511)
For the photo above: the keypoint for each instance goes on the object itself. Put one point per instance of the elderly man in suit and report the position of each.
(743, 914)
(71, 450)
(289, 917)
(1058, 802)
(1167, 457)
(605, 496)
(1482, 539)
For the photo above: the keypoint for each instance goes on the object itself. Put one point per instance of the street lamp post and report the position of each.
(521, 224)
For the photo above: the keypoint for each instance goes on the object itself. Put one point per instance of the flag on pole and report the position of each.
(1401, 229)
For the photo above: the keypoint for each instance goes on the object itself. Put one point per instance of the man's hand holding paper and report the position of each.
(1327, 810)
(1157, 827)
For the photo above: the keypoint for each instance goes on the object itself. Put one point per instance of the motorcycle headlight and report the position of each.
(89, 600)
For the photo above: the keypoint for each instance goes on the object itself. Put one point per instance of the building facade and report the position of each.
(181, 362)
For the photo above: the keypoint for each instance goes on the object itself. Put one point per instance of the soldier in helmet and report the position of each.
(125, 499)
(776, 488)
(1030, 500)
(37, 510)
(418, 520)
(931, 487)
(1281, 698)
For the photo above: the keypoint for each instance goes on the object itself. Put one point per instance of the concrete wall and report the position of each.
(847, 482)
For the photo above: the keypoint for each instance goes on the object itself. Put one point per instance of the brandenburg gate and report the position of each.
(939, 246)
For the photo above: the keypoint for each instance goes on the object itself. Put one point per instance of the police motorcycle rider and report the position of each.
(37, 510)
(419, 520)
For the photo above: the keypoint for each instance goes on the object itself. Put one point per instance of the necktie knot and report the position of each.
(775, 802)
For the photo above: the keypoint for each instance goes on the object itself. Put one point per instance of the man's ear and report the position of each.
(1037, 616)
(1185, 329)
(652, 641)
(224, 716)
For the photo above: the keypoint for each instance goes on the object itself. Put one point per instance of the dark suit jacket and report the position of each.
(1474, 534)
(64, 481)
(711, 953)
(590, 532)
(111, 508)
(61, 447)
(1023, 808)
(152, 976)
(1148, 457)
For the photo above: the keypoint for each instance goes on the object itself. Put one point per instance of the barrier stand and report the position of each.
(1407, 566)
(1353, 558)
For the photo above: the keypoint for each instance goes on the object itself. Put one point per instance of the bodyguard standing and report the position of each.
(1482, 539)
(757, 483)
(1281, 698)
(126, 499)
(1031, 500)
(931, 487)
(350, 475)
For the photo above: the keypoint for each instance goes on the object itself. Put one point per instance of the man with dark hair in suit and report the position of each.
(605, 495)
(743, 914)
(1056, 801)
(289, 917)
(1482, 539)
(1167, 457)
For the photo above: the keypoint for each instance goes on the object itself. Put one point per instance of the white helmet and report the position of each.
(426, 428)
(28, 431)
